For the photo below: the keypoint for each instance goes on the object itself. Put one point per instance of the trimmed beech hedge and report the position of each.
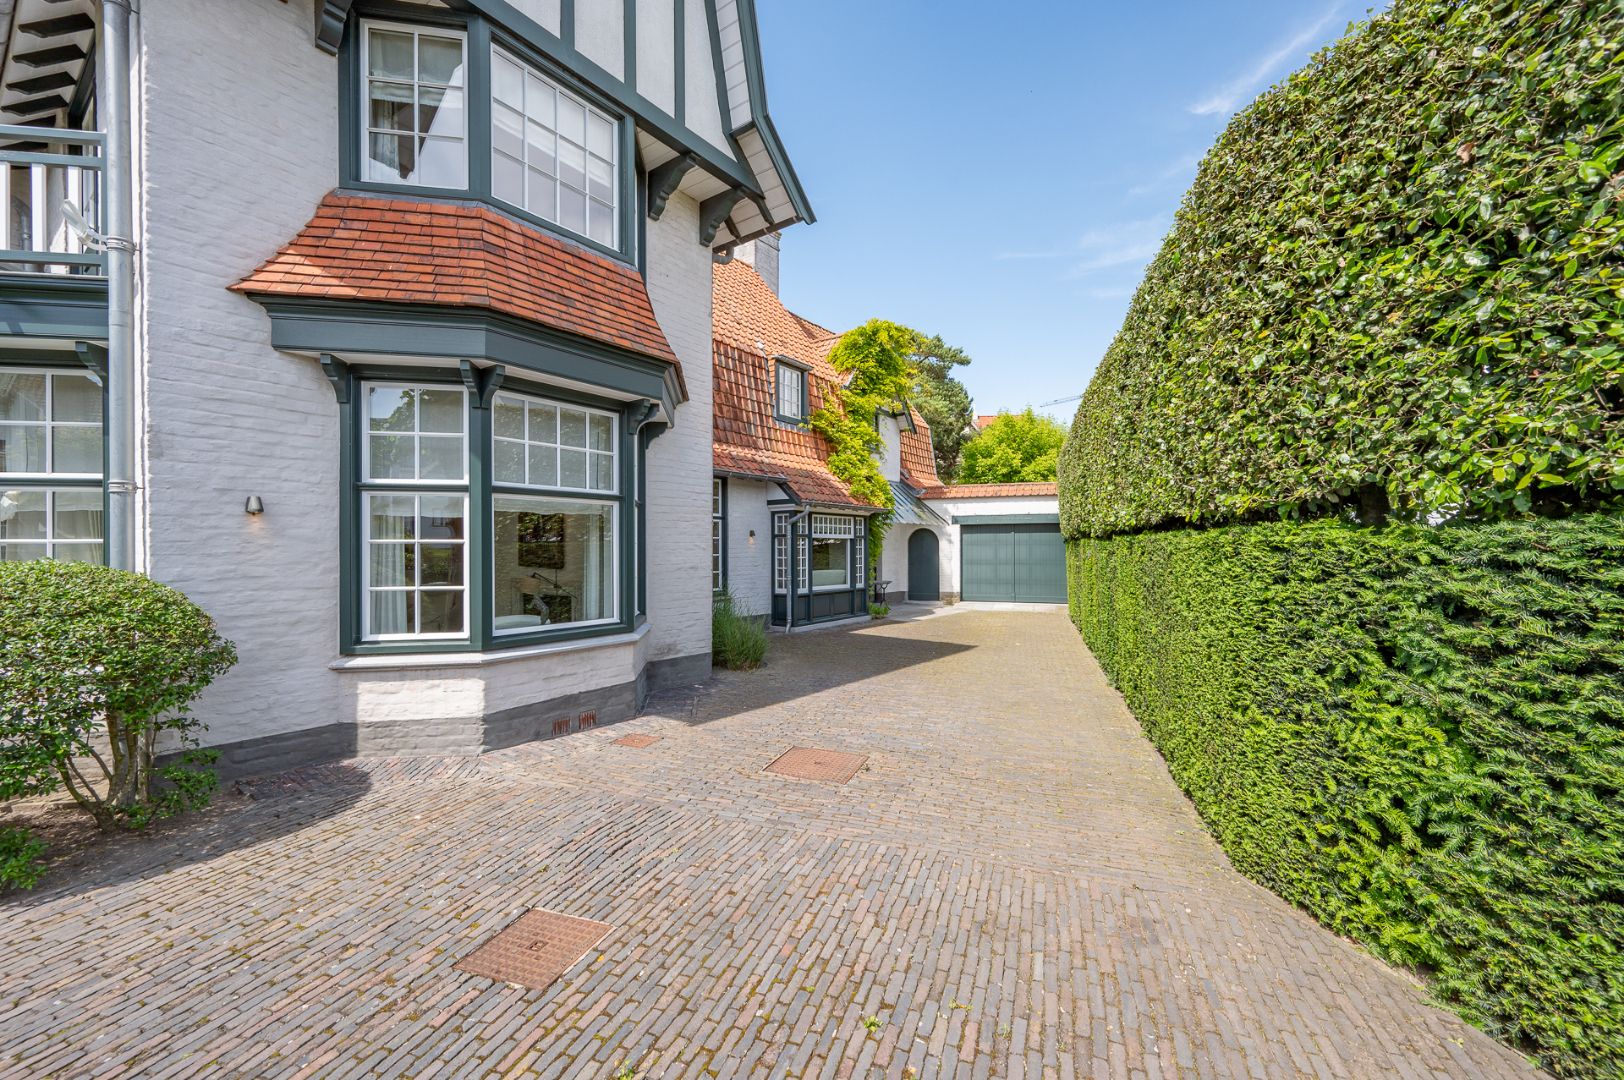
(1397, 281)
(1416, 734)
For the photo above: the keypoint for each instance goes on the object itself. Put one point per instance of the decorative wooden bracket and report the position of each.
(338, 373)
(93, 356)
(664, 180)
(330, 18)
(482, 383)
(714, 210)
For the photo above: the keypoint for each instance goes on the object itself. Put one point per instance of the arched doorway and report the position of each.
(924, 569)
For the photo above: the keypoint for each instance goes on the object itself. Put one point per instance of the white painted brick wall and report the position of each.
(679, 462)
(749, 562)
(227, 416)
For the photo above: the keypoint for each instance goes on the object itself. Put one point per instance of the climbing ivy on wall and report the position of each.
(1397, 281)
(875, 359)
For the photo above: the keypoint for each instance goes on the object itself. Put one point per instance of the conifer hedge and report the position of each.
(1343, 499)
(1397, 280)
(1415, 733)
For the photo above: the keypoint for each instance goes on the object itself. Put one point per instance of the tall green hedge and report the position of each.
(1417, 734)
(1397, 279)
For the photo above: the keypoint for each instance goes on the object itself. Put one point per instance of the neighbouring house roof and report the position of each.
(918, 454)
(989, 491)
(751, 327)
(457, 255)
(984, 419)
(910, 510)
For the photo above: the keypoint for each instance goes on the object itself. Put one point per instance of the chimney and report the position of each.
(763, 255)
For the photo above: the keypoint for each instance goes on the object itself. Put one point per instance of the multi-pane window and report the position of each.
(780, 553)
(50, 466)
(791, 394)
(860, 562)
(416, 129)
(551, 445)
(415, 550)
(416, 565)
(416, 433)
(718, 528)
(550, 514)
(832, 544)
(551, 153)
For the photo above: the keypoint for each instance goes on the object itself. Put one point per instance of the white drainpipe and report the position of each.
(113, 114)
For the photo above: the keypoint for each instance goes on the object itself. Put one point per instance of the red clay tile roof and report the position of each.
(750, 327)
(984, 419)
(988, 491)
(456, 255)
(918, 457)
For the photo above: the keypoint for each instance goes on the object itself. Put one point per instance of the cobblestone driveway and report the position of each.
(1012, 887)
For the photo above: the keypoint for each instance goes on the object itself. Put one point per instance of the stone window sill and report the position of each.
(419, 661)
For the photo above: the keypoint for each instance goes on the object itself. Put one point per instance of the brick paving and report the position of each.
(1012, 887)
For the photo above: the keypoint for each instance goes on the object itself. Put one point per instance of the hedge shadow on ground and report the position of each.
(245, 813)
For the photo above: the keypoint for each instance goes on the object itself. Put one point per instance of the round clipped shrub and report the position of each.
(1396, 285)
(95, 664)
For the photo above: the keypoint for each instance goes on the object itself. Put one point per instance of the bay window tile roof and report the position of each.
(460, 255)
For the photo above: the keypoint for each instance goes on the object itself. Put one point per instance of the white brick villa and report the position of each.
(405, 375)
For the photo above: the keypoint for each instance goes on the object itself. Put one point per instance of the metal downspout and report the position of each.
(113, 113)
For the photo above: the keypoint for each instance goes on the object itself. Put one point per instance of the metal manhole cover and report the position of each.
(637, 742)
(534, 949)
(809, 763)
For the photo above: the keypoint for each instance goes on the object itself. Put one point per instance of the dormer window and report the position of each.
(416, 133)
(790, 400)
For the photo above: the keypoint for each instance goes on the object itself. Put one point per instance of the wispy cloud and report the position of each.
(1120, 292)
(1231, 95)
(1106, 246)
(1181, 170)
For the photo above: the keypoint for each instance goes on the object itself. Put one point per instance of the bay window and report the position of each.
(718, 534)
(466, 109)
(484, 517)
(51, 502)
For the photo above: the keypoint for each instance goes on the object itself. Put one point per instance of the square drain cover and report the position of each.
(809, 763)
(637, 742)
(534, 949)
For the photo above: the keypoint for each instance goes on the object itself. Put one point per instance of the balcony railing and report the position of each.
(50, 191)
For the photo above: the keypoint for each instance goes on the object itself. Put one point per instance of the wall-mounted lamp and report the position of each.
(752, 536)
(254, 505)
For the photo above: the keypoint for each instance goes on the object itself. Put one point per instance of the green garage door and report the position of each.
(1023, 563)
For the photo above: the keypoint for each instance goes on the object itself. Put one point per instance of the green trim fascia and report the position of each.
(679, 62)
(53, 306)
(667, 128)
(1007, 519)
(751, 40)
(348, 329)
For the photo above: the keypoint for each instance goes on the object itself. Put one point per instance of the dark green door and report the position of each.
(1020, 563)
(924, 571)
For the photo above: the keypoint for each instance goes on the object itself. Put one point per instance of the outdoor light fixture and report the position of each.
(254, 505)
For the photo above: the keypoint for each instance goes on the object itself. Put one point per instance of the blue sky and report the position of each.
(1004, 182)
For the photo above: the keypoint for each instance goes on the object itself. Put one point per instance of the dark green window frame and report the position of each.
(82, 363)
(780, 363)
(718, 533)
(480, 35)
(481, 490)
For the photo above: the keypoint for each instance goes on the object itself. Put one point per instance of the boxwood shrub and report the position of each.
(1415, 733)
(1397, 282)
